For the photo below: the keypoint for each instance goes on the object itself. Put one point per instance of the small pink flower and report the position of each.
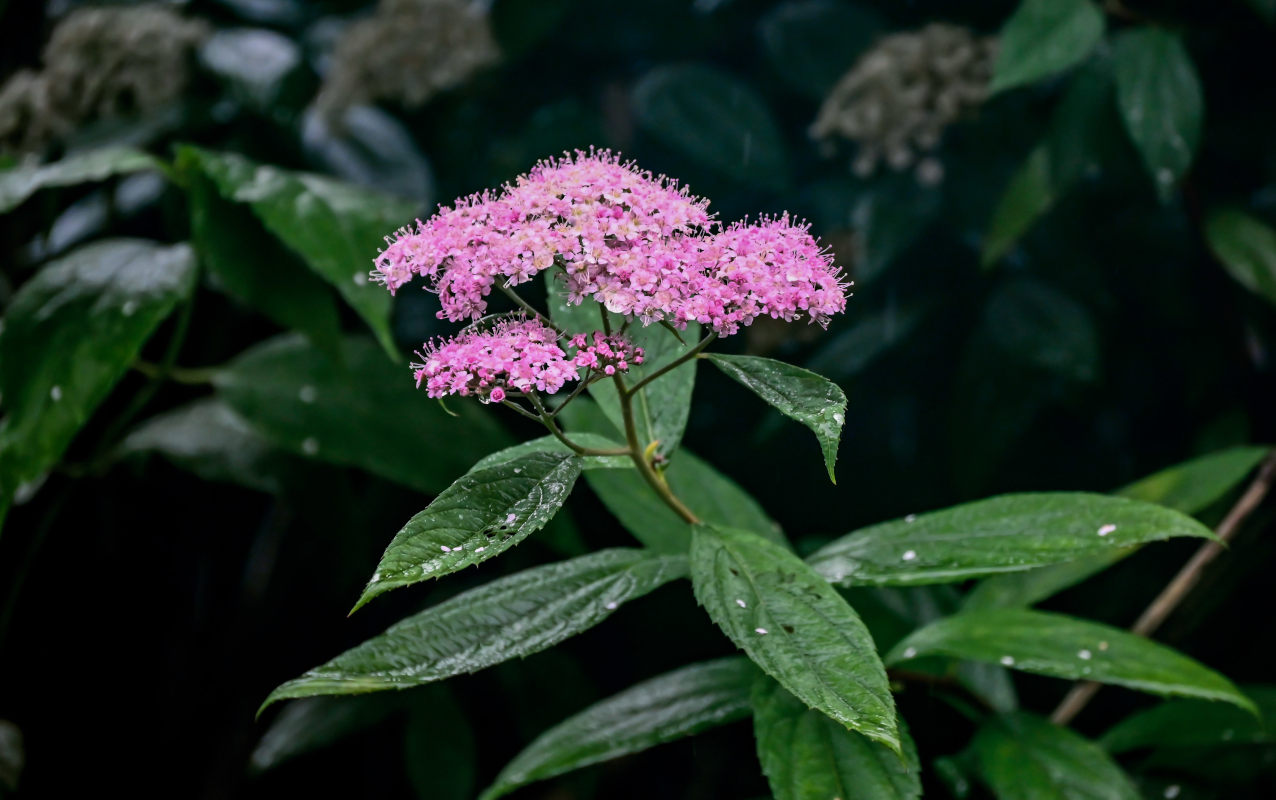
(516, 354)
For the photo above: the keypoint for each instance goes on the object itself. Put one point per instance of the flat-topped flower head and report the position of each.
(513, 355)
(606, 354)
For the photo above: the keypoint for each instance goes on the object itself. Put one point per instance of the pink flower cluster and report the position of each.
(606, 354)
(517, 354)
(639, 244)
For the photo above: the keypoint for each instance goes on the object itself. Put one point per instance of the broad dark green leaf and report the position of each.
(363, 412)
(1028, 196)
(510, 617)
(550, 444)
(1247, 247)
(811, 43)
(483, 514)
(713, 497)
(1160, 99)
(1002, 534)
(713, 119)
(662, 709)
(798, 394)
(1023, 757)
(807, 756)
(1195, 723)
(314, 723)
(1044, 37)
(1065, 647)
(69, 335)
(794, 626)
(335, 228)
(19, 183)
(439, 750)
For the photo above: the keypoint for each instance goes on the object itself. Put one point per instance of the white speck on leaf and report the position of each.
(310, 446)
(1172, 791)
(911, 518)
(741, 603)
(910, 652)
(479, 549)
(909, 555)
(445, 548)
(1106, 529)
(760, 631)
(1084, 655)
(56, 393)
(612, 605)
(1008, 661)
(130, 306)
(307, 394)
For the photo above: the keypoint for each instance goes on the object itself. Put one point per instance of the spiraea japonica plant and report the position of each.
(640, 280)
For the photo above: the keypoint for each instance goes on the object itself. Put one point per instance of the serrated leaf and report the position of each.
(510, 617)
(798, 394)
(362, 412)
(1160, 99)
(1028, 196)
(1195, 723)
(486, 512)
(1023, 757)
(1044, 37)
(550, 444)
(714, 119)
(1001, 534)
(807, 756)
(1065, 647)
(794, 626)
(1247, 248)
(335, 228)
(68, 336)
(812, 43)
(20, 182)
(663, 709)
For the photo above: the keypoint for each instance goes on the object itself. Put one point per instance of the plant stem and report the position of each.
(523, 304)
(1182, 583)
(672, 365)
(649, 474)
(579, 449)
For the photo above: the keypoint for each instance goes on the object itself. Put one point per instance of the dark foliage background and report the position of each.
(148, 609)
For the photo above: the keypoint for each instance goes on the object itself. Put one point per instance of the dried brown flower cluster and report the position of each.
(407, 52)
(900, 96)
(98, 62)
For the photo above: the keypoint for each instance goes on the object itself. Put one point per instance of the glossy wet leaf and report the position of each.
(807, 756)
(663, 709)
(1028, 196)
(486, 512)
(812, 43)
(1024, 757)
(1195, 723)
(714, 119)
(69, 334)
(1247, 248)
(20, 182)
(1044, 37)
(794, 626)
(798, 394)
(1066, 647)
(363, 412)
(1002, 534)
(510, 617)
(1160, 99)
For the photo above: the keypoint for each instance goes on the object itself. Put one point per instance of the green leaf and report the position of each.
(1028, 196)
(550, 444)
(483, 514)
(69, 335)
(1084, 126)
(798, 394)
(794, 626)
(812, 43)
(439, 750)
(807, 756)
(510, 617)
(1017, 589)
(1044, 37)
(318, 722)
(362, 412)
(1002, 534)
(19, 183)
(663, 709)
(1064, 647)
(1160, 99)
(1023, 757)
(714, 119)
(1247, 248)
(1195, 723)
(335, 228)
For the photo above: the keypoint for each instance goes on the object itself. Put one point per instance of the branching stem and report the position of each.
(575, 447)
(636, 451)
(672, 365)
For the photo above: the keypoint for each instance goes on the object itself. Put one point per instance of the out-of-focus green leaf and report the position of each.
(362, 412)
(811, 43)
(807, 756)
(1160, 99)
(1023, 757)
(439, 748)
(794, 626)
(371, 148)
(1044, 37)
(510, 617)
(1028, 196)
(69, 335)
(890, 219)
(317, 722)
(1065, 647)
(336, 228)
(849, 352)
(666, 708)
(1079, 125)
(1040, 327)
(1247, 247)
(1195, 723)
(1018, 589)
(20, 182)
(483, 514)
(798, 394)
(260, 67)
(714, 119)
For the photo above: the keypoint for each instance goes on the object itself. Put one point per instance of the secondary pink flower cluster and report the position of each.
(517, 354)
(637, 243)
(606, 354)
